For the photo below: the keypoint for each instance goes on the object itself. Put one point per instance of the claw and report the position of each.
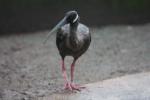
(68, 86)
(77, 87)
(72, 86)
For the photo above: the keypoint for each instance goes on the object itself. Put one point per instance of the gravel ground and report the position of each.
(29, 69)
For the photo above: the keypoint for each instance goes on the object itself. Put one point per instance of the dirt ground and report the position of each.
(29, 69)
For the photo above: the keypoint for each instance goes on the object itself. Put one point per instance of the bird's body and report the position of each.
(73, 42)
(72, 39)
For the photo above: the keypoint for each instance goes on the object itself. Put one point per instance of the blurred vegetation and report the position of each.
(115, 5)
(32, 15)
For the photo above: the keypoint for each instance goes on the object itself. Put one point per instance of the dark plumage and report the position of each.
(73, 39)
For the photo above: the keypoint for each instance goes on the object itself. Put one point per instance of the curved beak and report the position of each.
(60, 24)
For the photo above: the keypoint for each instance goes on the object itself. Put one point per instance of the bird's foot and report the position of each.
(77, 87)
(68, 86)
(72, 86)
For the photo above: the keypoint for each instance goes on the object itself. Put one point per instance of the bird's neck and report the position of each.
(73, 28)
(73, 34)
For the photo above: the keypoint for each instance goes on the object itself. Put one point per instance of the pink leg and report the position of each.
(72, 70)
(74, 86)
(67, 84)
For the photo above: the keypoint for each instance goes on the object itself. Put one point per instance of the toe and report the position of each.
(68, 86)
(77, 87)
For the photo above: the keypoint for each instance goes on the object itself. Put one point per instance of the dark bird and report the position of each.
(73, 39)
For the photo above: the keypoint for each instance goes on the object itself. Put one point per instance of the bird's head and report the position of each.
(71, 17)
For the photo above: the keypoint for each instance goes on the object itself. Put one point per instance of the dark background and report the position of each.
(18, 16)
